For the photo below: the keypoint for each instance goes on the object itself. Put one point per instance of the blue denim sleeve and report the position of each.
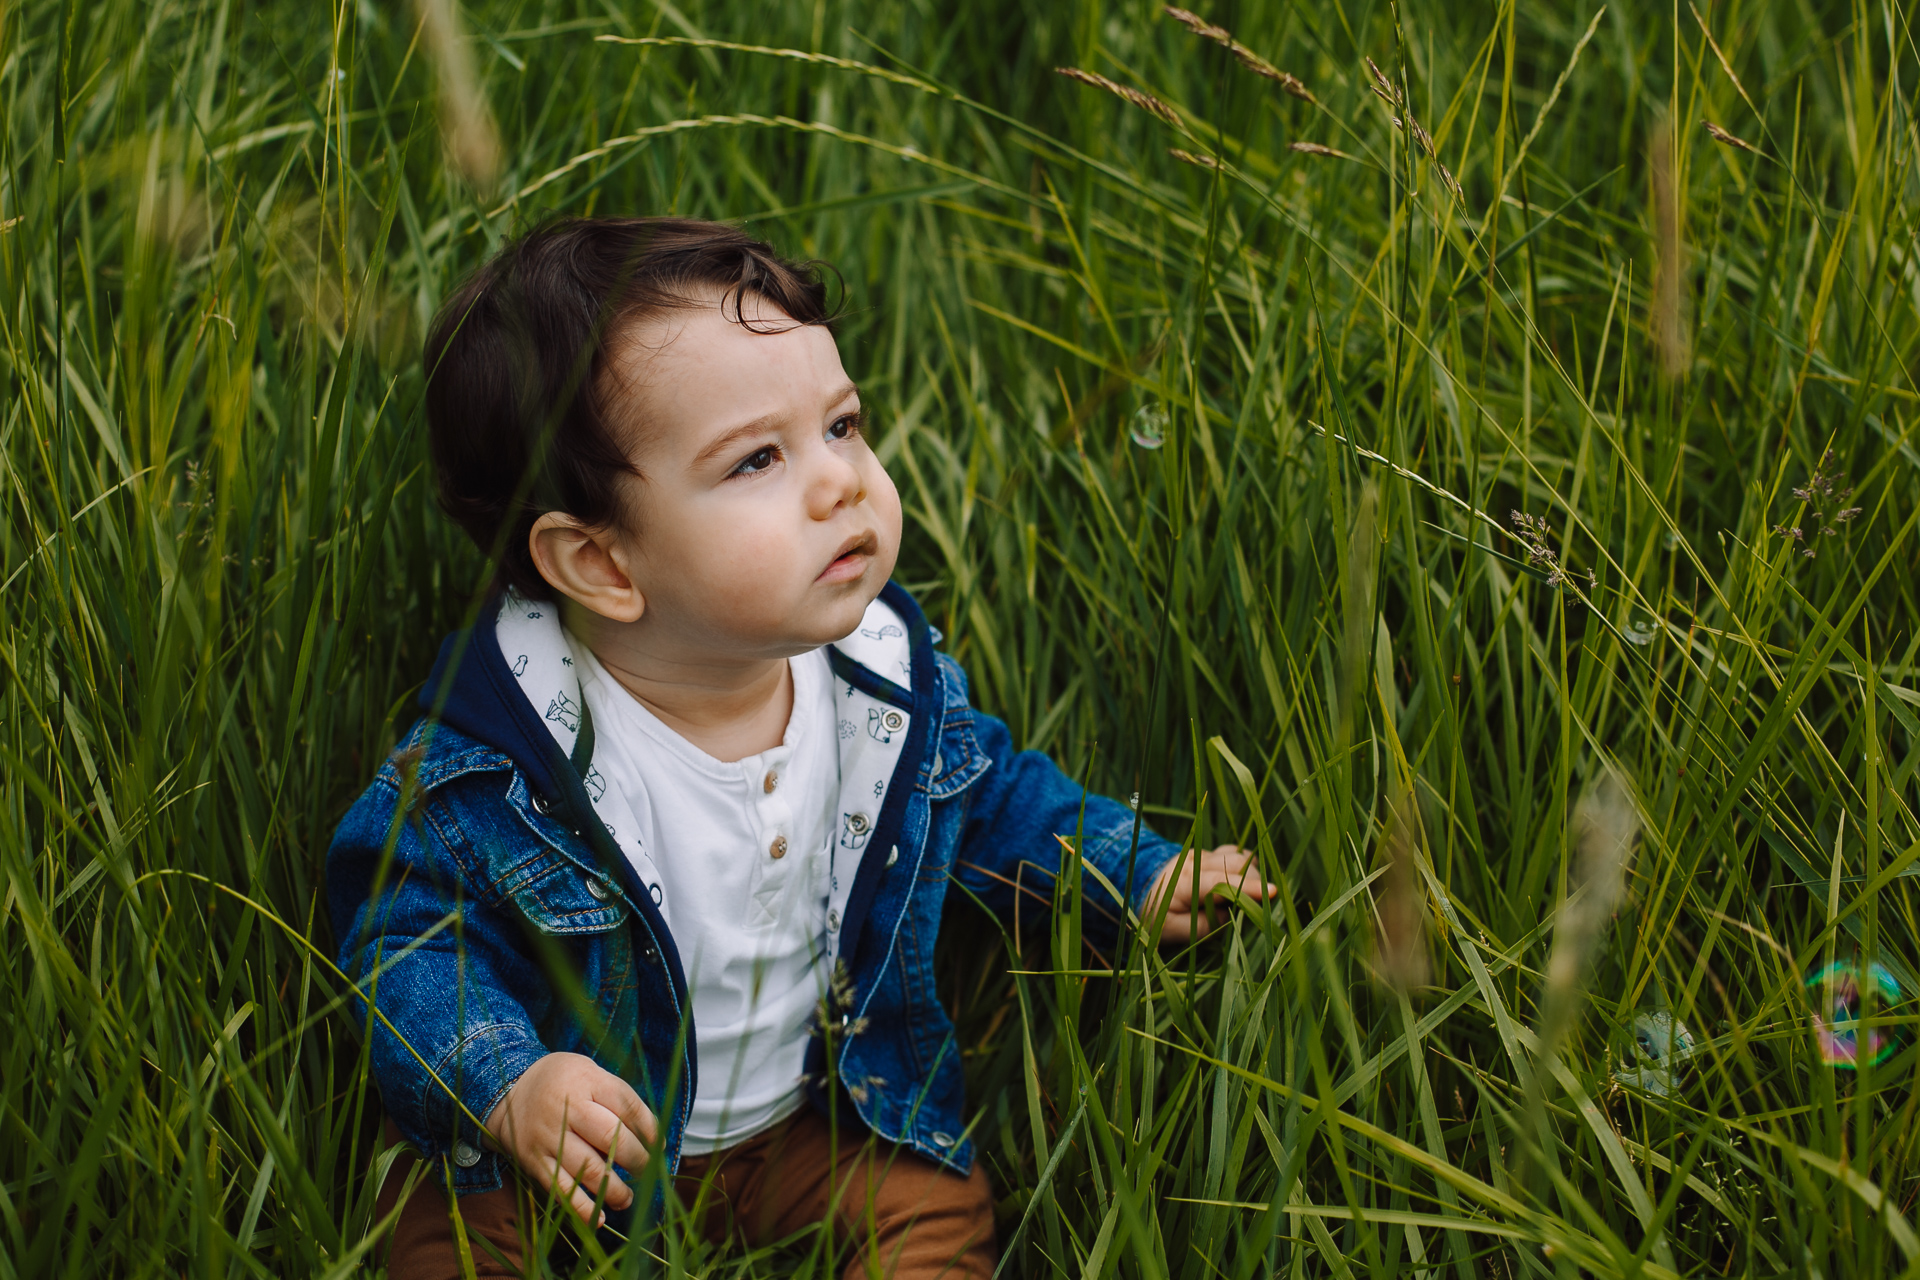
(452, 1031)
(1009, 850)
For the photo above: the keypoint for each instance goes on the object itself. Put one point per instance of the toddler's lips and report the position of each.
(851, 563)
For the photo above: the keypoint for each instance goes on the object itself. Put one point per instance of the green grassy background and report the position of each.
(1303, 622)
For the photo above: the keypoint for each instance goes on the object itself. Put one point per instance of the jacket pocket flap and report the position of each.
(562, 899)
(958, 761)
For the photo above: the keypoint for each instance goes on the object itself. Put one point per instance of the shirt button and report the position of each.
(465, 1154)
(772, 780)
(598, 888)
(893, 855)
(779, 847)
(942, 1140)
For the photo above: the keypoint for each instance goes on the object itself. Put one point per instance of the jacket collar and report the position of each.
(472, 687)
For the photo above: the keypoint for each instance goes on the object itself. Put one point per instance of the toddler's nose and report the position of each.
(836, 482)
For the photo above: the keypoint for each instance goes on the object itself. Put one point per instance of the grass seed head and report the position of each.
(1383, 88)
(1188, 157)
(1827, 511)
(1246, 57)
(1145, 101)
(1389, 93)
(1727, 139)
(1535, 536)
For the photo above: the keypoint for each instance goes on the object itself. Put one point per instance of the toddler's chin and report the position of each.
(838, 619)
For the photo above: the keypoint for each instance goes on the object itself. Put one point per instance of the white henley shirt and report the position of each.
(742, 850)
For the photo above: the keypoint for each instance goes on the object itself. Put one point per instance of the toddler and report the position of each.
(658, 874)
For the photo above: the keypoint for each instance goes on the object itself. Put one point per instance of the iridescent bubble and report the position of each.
(1835, 992)
(1661, 1043)
(1149, 429)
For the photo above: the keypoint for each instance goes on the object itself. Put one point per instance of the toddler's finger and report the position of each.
(589, 1171)
(549, 1172)
(577, 1199)
(617, 1096)
(608, 1133)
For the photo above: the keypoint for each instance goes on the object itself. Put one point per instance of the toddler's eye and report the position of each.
(759, 460)
(845, 427)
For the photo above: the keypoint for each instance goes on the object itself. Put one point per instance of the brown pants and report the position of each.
(902, 1215)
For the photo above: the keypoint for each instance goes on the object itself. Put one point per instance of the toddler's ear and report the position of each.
(585, 566)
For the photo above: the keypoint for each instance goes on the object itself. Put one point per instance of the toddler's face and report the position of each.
(764, 525)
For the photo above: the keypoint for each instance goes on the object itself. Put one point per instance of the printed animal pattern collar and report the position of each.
(872, 734)
(538, 654)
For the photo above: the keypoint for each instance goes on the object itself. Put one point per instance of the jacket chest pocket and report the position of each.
(957, 760)
(520, 860)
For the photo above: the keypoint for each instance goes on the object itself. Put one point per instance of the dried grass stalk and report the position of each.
(473, 144)
(1605, 824)
(1400, 922)
(1670, 334)
(1145, 101)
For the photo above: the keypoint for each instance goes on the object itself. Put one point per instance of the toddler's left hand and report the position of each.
(1191, 914)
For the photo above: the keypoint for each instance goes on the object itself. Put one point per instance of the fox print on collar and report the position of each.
(542, 658)
(873, 732)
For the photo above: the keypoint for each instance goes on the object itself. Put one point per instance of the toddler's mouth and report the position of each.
(851, 562)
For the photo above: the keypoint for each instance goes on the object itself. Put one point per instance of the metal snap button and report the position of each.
(893, 855)
(893, 720)
(833, 921)
(939, 765)
(598, 888)
(942, 1140)
(465, 1154)
(771, 781)
(779, 847)
(857, 824)
(540, 805)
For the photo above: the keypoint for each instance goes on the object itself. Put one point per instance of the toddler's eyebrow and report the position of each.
(754, 426)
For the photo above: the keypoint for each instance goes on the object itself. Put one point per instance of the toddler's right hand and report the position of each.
(568, 1120)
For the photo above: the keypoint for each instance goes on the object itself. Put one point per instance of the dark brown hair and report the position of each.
(518, 422)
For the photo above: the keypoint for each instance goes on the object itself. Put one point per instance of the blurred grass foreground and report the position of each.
(1466, 452)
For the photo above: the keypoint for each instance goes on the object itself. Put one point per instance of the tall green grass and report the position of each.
(1305, 622)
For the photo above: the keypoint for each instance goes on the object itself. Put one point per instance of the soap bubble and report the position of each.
(1638, 633)
(1836, 1002)
(1149, 429)
(1661, 1043)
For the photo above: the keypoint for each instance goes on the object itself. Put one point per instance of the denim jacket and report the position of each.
(489, 917)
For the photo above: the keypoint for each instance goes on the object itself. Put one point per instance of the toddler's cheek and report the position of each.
(886, 505)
